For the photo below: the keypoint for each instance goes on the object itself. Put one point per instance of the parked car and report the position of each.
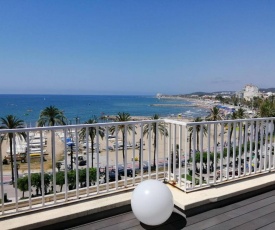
(122, 173)
(112, 176)
(82, 163)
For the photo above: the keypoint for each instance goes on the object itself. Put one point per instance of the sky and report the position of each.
(141, 47)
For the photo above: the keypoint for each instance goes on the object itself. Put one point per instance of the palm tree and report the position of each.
(215, 114)
(241, 115)
(51, 116)
(12, 122)
(267, 109)
(155, 127)
(92, 134)
(198, 129)
(122, 117)
(233, 116)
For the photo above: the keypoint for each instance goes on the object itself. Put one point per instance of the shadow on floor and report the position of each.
(175, 221)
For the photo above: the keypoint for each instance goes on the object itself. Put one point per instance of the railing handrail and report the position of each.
(58, 127)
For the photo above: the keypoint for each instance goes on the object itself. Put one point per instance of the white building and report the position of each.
(250, 91)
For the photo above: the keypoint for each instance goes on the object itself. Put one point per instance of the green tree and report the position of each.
(234, 100)
(220, 98)
(60, 179)
(71, 175)
(37, 183)
(155, 128)
(92, 134)
(215, 114)
(51, 116)
(12, 122)
(22, 184)
(267, 109)
(83, 176)
(92, 175)
(204, 161)
(122, 117)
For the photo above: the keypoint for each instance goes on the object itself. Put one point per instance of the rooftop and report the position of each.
(192, 205)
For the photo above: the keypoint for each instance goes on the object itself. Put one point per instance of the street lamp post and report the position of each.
(71, 144)
(17, 168)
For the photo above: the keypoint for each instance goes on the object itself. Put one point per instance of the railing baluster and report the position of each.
(174, 152)
(179, 155)
(42, 169)
(134, 154)
(141, 155)
(66, 164)
(168, 152)
(116, 170)
(15, 172)
(97, 160)
(240, 149)
(157, 153)
(215, 153)
(261, 145)
(125, 154)
(221, 151)
(185, 158)
(77, 162)
(107, 167)
(29, 168)
(194, 156)
(201, 153)
(2, 177)
(266, 143)
(228, 150)
(245, 148)
(88, 165)
(150, 150)
(208, 153)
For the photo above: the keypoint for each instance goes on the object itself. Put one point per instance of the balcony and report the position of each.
(192, 158)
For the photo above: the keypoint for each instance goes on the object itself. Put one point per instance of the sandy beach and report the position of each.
(110, 156)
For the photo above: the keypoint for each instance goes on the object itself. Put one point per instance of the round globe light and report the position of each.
(152, 202)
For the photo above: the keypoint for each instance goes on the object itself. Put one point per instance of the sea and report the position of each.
(80, 108)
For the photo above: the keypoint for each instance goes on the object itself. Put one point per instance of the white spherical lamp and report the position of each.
(152, 202)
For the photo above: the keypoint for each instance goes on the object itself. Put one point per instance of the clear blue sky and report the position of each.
(135, 47)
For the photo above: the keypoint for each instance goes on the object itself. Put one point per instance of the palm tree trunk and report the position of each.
(231, 132)
(155, 143)
(198, 141)
(92, 146)
(11, 157)
(190, 145)
(123, 146)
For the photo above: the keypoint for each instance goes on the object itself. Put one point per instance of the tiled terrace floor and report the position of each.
(254, 213)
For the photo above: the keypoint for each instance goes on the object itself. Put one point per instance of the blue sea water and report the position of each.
(83, 107)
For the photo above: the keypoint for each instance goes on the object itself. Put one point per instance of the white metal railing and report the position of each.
(189, 155)
(216, 152)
